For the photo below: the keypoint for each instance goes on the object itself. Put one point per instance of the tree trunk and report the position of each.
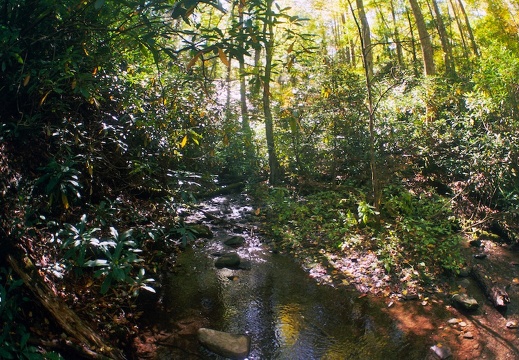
(245, 123)
(367, 53)
(425, 40)
(469, 29)
(444, 38)
(371, 109)
(413, 44)
(352, 50)
(460, 29)
(396, 35)
(91, 342)
(268, 32)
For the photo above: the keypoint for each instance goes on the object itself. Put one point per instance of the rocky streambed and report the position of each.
(234, 283)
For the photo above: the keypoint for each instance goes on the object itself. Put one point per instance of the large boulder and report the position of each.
(233, 346)
(228, 260)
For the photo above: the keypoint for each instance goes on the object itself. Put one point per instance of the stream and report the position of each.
(287, 314)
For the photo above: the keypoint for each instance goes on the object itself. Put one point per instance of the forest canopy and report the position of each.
(385, 125)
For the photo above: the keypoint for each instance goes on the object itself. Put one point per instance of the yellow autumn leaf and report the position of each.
(90, 168)
(193, 61)
(183, 142)
(64, 200)
(26, 80)
(222, 56)
(44, 97)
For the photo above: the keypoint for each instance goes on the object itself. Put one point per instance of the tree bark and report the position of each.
(367, 52)
(372, 154)
(469, 29)
(245, 122)
(64, 316)
(425, 40)
(396, 34)
(413, 44)
(460, 29)
(268, 32)
(444, 39)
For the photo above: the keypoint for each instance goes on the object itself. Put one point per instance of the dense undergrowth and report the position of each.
(411, 230)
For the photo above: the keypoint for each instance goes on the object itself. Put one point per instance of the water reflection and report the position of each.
(285, 312)
(287, 315)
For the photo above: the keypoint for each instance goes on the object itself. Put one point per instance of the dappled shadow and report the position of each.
(486, 332)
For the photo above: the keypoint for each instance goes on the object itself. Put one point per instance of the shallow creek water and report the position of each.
(285, 312)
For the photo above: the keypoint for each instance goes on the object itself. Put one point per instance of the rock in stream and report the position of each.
(234, 346)
(229, 260)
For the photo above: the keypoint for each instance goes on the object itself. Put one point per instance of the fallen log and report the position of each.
(496, 293)
(91, 343)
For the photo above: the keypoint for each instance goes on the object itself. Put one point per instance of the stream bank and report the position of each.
(291, 313)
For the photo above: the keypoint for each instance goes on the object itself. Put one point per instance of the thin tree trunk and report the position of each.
(469, 29)
(396, 34)
(425, 40)
(352, 51)
(460, 29)
(268, 32)
(245, 123)
(367, 53)
(413, 44)
(228, 92)
(444, 39)
(372, 154)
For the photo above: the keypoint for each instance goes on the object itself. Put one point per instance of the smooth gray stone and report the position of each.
(234, 346)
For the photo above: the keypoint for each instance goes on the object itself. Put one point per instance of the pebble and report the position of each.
(512, 325)
(442, 351)
(453, 321)
(468, 335)
(411, 296)
(463, 324)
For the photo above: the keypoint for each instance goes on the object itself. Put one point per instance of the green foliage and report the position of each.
(78, 241)
(115, 256)
(415, 229)
(419, 229)
(61, 182)
(120, 255)
(324, 218)
(14, 336)
(186, 232)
